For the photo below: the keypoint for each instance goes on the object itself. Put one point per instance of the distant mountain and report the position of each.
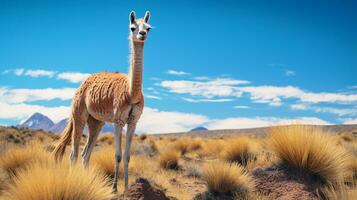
(200, 128)
(38, 121)
(59, 126)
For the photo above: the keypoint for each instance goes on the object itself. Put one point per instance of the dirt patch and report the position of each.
(143, 190)
(210, 196)
(283, 184)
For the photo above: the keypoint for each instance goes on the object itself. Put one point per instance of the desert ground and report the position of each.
(288, 162)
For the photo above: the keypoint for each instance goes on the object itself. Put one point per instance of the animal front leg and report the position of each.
(129, 137)
(117, 138)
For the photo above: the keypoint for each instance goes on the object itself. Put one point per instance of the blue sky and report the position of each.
(221, 64)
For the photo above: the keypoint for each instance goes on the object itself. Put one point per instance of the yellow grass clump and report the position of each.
(195, 144)
(169, 159)
(103, 159)
(49, 180)
(227, 179)
(19, 157)
(239, 150)
(212, 147)
(106, 138)
(311, 150)
(182, 145)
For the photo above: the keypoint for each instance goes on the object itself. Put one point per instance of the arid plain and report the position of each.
(286, 162)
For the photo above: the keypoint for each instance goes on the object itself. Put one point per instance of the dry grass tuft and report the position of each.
(193, 170)
(212, 147)
(169, 159)
(49, 180)
(19, 157)
(182, 146)
(147, 147)
(106, 138)
(239, 150)
(103, 159)
(310, 150)
(195, 144)
(153, 146)
(227, 179)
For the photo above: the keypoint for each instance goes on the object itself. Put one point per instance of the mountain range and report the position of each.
(40, 121)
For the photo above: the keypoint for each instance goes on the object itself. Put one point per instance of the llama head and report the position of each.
(139, 28)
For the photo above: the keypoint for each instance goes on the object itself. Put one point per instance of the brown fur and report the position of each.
(98, 95)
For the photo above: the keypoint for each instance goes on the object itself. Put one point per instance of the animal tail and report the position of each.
(64, 140)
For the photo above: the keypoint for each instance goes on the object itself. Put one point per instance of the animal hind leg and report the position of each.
(78, 126)
(94, 127)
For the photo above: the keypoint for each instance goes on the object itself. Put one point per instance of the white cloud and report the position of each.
(273, 102)
(336, 111)
(290, 73)
(35, 73)
(153, 97)
(276, 94)
(177, 73)
(39, 72)
(19, 72)
(73, 77)
(241, 107)
(23, 111)
(349, 121)
(206, 100)
(30, 95)
(215, 100)
(190, 100)
(241, 122)
(272, 95)
(299, 106)
(156, 121)
(152, 120)
(213, 88)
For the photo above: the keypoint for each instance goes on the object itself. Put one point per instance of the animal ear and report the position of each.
(147, 16)
(132, 17)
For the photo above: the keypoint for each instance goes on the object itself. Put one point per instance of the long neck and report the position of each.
(136, 70)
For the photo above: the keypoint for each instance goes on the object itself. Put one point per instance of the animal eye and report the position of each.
(148, 29)
(132, 29)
